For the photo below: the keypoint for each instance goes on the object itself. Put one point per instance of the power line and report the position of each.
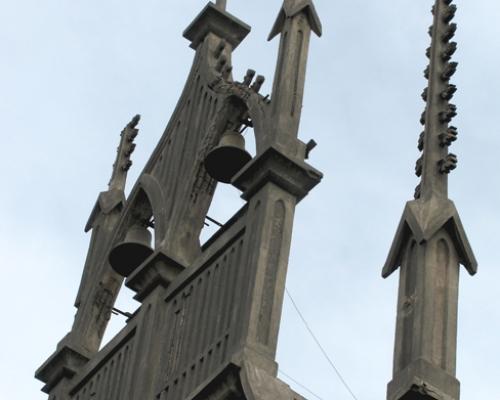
(337, 372)
(299, 384)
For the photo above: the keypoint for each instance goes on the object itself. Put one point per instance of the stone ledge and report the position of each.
(63, 364)
(423, 381)
(296, 177)
(219, 22)
(159, 269)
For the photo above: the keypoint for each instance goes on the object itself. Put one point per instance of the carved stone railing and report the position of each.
(104, 377)
(202, 313)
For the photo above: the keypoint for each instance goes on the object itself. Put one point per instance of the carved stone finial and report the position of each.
(247, 80)
(259, 81)
(439, 91)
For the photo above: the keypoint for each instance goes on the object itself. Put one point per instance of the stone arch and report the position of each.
(152, 190)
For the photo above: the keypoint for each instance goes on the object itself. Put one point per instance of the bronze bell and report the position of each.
(229, 157)
(127, 256)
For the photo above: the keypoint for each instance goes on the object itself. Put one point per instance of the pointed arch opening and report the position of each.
(226, 199)
(139, 214)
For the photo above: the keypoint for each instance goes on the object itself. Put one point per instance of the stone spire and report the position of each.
(430, 243)
(436, 161)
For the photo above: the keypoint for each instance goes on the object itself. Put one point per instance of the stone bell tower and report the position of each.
(430, 243)
(208, 323)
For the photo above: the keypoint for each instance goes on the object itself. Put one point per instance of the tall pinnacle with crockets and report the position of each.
(99, 285)
(430, 244)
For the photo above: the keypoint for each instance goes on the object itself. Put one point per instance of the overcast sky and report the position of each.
(75, 72)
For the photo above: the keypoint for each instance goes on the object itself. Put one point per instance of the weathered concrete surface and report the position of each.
(209, 318)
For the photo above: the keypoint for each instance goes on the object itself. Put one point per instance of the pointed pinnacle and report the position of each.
(290, 9)
(438, 113)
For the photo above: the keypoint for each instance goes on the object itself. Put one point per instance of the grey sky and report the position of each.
(75, 72)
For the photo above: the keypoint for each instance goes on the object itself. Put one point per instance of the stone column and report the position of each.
(273, 184)
(150, 282)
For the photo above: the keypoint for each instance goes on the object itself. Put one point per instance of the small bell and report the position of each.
(127, 256)
(229, 157)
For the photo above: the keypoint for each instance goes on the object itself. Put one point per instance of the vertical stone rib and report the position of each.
(441, 303)
(270, 277)
(406, 309)
(298, 57)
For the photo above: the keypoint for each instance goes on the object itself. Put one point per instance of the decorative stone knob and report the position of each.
(447, 138)
(449, 13)
(448, 93)
(449, 33)
(449, 114)
(421, 141)
(419, 167)
(449, 71)
(448, 52)
(448, 164)
(247, 80)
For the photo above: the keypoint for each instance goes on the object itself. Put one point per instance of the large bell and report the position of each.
(127, 256)
(229, 157)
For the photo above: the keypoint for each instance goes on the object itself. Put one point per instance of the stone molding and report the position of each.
(157, 270)
(293, 176)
